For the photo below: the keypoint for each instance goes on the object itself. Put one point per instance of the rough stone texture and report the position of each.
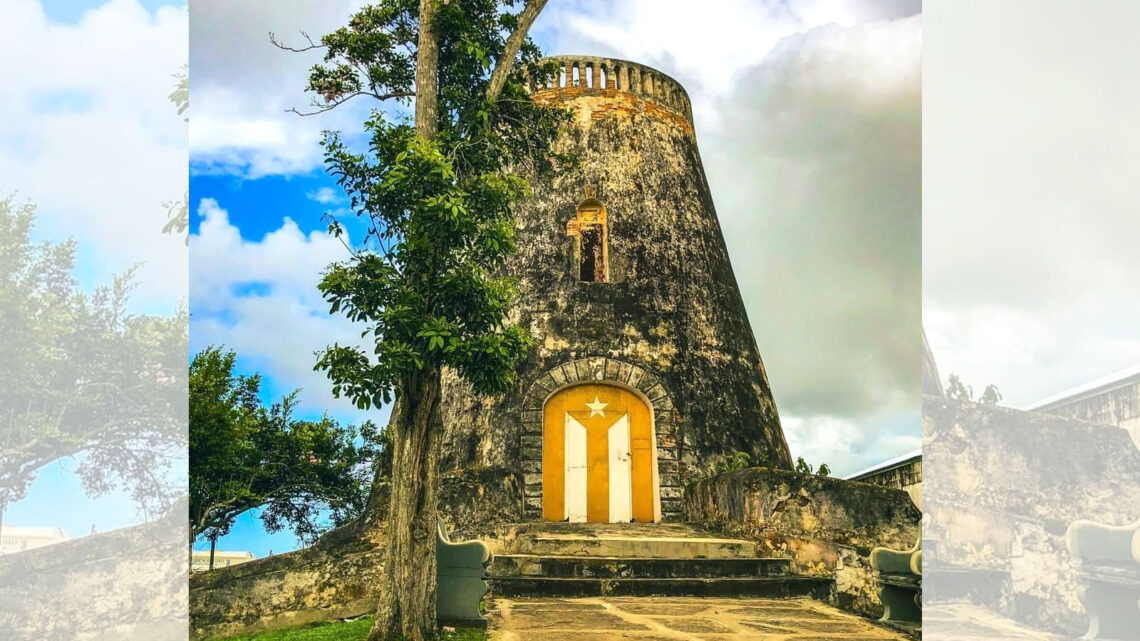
(670, 323)
(827, 526)
(339, 576)
(124, 584)
(334, 579)
(675, 619)
(1002, 487)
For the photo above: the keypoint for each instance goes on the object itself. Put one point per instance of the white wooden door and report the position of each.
(576, 468)
(621, 494)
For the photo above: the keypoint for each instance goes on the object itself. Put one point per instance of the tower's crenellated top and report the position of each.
(594, 77)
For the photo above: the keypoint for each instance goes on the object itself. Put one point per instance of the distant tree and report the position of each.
(245, 456)
(991, 395)
(435, 196)
(956, 390)
(824, 470)
(802, 466)
(83, 377)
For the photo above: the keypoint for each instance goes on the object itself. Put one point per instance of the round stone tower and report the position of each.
(645, 371)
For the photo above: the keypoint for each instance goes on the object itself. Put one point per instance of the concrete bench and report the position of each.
(1110, 574)
(461, 575)
(900, 582)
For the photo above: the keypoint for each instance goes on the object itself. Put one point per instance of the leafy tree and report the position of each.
(991, 395)
(245, 456)
(435, 195)
(82, 376)
(956, 390)
(802, 466)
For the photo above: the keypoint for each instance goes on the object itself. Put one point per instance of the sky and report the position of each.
(808, 119)
(1029, 194)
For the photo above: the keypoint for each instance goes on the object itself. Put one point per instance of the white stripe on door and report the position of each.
(575, 455)
(621, 473)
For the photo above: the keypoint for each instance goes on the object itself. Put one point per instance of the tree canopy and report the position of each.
(83, 375)
(244, 455)
(425, 280)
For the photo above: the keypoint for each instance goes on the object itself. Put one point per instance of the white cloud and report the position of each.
(324, 195)
(243, 85)
(260, 299)
(1030, 192)
(89, 135)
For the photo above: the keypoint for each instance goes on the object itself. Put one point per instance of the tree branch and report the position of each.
(312, 45)
(515, 42)
(329, 106)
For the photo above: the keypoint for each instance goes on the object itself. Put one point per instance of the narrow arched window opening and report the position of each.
(590, 227)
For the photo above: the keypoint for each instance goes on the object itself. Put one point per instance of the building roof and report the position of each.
(898, 461)
(1116, 380)
(223, 554)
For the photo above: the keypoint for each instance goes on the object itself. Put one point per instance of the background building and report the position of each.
(902, 473)
(222, 559)
(1112, 400)
(17, 538)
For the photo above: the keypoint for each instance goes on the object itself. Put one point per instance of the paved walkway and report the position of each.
(677, 618)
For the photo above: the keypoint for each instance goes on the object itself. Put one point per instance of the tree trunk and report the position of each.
(408, 596)
(213, 545)
(427, 73)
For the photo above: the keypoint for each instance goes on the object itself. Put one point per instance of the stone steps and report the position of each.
(640, 547)
(762, 587)
(530, 565)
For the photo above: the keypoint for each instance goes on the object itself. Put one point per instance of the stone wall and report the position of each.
(1001, 489)
(338, 577)
(827, 526)
(124, 584)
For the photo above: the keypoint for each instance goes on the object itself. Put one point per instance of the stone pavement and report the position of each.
(968, 622)
(675, 619)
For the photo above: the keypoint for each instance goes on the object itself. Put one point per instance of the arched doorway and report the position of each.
(598, 456)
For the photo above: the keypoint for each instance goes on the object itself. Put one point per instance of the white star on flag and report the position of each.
(596, 407)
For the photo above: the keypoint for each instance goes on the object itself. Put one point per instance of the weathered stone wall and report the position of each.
(1002, 487)
(339, 576)
(671, 307)
(124, 584)
(827, 526)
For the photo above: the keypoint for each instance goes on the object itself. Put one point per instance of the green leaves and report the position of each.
(426, 282)
(244, 455)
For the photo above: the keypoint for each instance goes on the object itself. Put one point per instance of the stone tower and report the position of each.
(645, 370)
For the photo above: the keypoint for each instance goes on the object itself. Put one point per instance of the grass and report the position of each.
(355, 630)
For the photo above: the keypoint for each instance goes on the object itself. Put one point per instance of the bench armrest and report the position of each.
(887, 560)
(1097, 543)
